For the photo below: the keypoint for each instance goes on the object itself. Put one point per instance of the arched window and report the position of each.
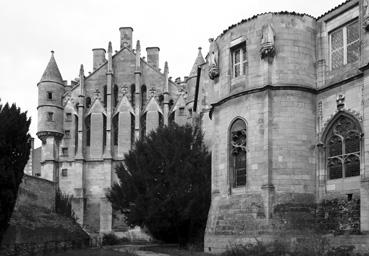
(343, 148)
(75, 134)
(132, 130)
(143, 95)
(115, 95)
(237, 154)
(161, 100)
(88, 102)
(133, 91)
(115, 129)
(104, 130)
(88, 130)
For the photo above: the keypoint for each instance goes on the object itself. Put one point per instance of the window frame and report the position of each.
(50, 116)
(243, 61)
(232, 160)
(344, 155)
(345, 44)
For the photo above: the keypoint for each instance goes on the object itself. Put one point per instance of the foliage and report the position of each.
(110, 239)
(63, 204)
(165, 184)
(14, 154)
(338, 216)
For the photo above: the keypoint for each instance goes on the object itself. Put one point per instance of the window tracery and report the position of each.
(343, 149)
(238, 138)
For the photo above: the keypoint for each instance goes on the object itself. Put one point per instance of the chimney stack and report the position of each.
(98, 57)
(153, 56)
(126, 37)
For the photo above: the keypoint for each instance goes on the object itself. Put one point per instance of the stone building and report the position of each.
(289, 124)
(87, 126)
(283, 102)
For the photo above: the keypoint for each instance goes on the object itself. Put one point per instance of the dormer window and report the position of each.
(344, 45)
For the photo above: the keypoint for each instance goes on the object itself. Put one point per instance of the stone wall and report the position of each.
(34, 191)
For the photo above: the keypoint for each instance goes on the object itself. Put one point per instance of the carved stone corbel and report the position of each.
(213, 59)
(267, 47)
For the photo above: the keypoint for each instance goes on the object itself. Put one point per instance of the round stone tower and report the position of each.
(50, 118)
(263, 129)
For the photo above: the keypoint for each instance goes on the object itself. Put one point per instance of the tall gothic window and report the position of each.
(143, 96)
(115, 95)
(237, 154)
(105, 96)
(343, 149)
(88, 130)
(133, 91)
(115, 129)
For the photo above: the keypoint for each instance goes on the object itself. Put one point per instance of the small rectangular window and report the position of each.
(67, 134)
(181, 112)
(68, 117)
(49, 95)
(64, 173)
(239, 60)
(64, 151)
(50, 116)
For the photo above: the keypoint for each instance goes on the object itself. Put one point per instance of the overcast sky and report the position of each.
(30, 29)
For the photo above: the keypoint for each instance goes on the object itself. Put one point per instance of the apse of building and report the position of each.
(87, 126)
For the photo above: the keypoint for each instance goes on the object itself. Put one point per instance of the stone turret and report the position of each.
(50, 117)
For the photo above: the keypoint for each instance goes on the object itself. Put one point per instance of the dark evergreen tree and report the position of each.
(14, 154)
(165, 184)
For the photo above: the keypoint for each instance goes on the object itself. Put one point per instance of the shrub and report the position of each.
(14, 154)
(63, 204)
(110, 239)
(165, 184)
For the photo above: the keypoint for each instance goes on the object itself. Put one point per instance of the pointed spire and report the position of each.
(110, 58)
(138, 55)
(166, 69)
(166, 72)
(198, 62)
(81, 71)
(82, 81)
(52, 72)
(138, 46)
(110, 48)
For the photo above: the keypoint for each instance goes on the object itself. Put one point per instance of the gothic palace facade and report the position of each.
(283, 103)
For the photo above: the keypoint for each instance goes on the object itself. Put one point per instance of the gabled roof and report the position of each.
(180, 102)
(97, 107)
(198, 62)
(69, 105)
(124, 106)
(153, 105)
(52, 72)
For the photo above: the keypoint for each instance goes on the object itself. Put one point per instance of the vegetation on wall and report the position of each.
(63, 204)
(165, 184)
(14, 154)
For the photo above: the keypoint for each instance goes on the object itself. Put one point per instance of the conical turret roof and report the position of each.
(52, 72)
(199, 61)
